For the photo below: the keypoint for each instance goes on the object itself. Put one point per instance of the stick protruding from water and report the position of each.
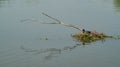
(62, 23)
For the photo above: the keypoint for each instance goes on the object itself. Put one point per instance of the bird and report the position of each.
(84, 31)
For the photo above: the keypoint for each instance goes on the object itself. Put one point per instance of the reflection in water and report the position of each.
(32, 1)
(54, 52)
(117, 5)
(50, 52)
(28, 2)
(2, 2)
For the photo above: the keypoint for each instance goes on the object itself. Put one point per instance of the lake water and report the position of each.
(32, 44)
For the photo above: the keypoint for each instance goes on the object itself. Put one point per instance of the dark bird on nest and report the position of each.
(84, 31)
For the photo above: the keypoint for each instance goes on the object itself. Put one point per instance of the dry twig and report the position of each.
(62, 23)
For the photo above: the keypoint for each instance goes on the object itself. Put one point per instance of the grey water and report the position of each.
(33, 44)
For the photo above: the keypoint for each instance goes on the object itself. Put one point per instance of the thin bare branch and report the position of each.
(31, 20)
(56, 22)
(52, 18)
(62, 23)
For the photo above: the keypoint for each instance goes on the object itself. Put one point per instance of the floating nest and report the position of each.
(88, 37)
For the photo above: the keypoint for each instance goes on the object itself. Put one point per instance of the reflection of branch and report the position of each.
(41, 50)
(50, 52)
(28, 50)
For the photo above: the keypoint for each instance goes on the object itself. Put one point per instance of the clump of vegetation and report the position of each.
(87, 37)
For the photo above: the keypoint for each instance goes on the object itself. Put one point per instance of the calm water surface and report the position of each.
(24, 44)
